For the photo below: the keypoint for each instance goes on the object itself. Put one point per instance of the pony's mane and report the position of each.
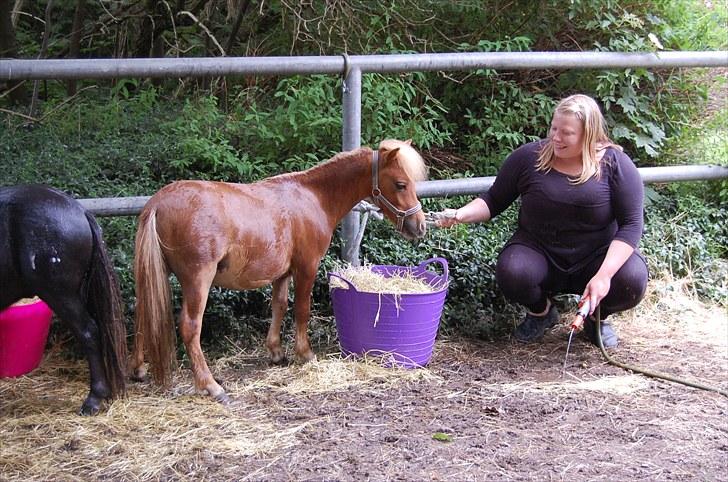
(409, 158)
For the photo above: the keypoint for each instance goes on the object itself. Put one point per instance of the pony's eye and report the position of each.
(401, 186)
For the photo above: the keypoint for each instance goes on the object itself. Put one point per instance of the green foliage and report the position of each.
(297, 127)
(494, 113)
(499, 124)
(202, 144)
(688, 237)
(401, 107)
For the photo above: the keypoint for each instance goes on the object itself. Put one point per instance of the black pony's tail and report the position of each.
(105, 306)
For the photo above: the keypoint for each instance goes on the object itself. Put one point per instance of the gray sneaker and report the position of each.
(609, 336)
(533, 327)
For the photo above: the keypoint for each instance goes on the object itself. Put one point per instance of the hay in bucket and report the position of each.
(397, 283)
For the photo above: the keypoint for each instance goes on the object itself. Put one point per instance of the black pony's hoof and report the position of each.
(89, 410)
(91, 406)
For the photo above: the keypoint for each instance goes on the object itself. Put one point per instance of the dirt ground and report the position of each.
(480, 411)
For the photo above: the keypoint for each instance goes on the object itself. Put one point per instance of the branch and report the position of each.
(202, 25)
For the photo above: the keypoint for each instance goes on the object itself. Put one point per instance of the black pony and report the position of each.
(50, 246)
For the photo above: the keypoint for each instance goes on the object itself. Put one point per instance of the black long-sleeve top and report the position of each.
(570, 223)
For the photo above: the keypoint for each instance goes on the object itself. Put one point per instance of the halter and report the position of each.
(378, 196)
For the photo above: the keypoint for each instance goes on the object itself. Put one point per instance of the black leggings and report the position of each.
(526, 276)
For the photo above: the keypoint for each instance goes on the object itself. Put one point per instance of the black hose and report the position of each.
(649, 373)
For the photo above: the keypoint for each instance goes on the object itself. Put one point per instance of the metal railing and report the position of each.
(351, 68)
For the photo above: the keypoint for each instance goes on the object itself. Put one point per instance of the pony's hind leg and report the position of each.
(279, 306)
(86, 331)
(194, 299)
(137, 370)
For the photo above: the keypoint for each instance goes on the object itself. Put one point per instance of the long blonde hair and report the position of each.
(594, 137)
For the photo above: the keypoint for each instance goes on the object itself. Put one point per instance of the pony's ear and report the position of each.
(391, 155)
(408, 142)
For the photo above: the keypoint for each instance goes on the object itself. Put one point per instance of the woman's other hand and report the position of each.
(596, 289)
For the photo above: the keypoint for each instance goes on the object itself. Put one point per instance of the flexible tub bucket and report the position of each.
(23, 334)
(399, 328)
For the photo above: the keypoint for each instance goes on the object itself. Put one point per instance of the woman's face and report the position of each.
(566, 135)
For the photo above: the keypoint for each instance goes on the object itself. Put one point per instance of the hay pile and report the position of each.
(26, 301)
(153, 434)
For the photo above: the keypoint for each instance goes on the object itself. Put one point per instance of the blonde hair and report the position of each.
(410, 159)
(594, 136)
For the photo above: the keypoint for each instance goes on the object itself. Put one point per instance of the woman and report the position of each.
(579, 224)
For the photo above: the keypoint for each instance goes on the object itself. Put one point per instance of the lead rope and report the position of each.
(649, 373)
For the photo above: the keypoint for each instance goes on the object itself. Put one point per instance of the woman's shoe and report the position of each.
(533, 327)
(609, 336)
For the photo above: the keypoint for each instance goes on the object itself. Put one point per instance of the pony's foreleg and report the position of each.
(302, 312)
(194, 300)
(279, 306)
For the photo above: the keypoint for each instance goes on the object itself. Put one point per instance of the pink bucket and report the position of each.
(23, 333)
(377, 324)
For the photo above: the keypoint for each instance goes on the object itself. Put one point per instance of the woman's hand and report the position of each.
(596, 289)
(476, 211)
(446, 218)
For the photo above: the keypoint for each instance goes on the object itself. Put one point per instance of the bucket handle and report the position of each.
(336, 275)
(443, 262)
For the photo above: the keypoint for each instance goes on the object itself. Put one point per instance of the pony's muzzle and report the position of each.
(414, 226)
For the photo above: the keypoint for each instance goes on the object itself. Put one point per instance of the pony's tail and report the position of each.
(104, 304)
(153, 320)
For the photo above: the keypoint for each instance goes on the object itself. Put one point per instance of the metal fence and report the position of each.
(351, 69)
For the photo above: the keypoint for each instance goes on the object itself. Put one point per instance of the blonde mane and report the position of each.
(409, 158)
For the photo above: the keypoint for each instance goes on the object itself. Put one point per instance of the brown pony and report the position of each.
(244, 236)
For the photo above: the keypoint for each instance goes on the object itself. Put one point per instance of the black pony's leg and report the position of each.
(86, 331)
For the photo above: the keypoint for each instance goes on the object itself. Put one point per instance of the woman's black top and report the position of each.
(570, 223)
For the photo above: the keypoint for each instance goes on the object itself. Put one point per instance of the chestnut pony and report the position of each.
(245, 236)
(50, 246)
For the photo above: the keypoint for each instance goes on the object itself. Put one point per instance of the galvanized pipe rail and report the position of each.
(131, 206)
(351, 68)
(36, 69)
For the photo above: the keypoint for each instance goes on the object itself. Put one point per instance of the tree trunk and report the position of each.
(75, 43)
(145, 41)
(9, 49)
(43, 49)
(236, 26)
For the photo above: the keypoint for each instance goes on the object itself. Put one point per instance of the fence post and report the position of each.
(351, 139)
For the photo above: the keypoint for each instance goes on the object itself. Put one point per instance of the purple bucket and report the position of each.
(406, 327)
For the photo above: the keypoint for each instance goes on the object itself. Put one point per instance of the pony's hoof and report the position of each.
(139, 375)
(139, 379)
(306, 357)
(277, 355)
(89, 408)
(280, 360)
(223, 398)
